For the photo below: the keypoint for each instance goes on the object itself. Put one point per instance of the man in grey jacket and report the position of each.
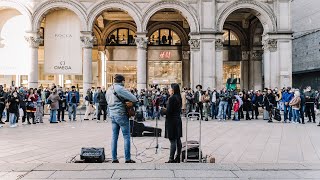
(119, 117)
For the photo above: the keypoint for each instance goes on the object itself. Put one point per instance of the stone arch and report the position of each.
(13, 4)
(185, 9)
(124, 5)
(72, 5)
(264, 13)
(171, 25)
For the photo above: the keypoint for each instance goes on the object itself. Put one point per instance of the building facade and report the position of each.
(190, 42)
(306, 43)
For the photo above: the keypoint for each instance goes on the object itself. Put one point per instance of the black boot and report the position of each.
(177, 159)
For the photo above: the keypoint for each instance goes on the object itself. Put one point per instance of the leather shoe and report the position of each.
(130, 161)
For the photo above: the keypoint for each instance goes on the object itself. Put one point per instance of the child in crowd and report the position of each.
(236, 109)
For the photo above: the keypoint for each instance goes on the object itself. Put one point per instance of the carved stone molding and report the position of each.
(33, 40)
(88, 41)
(194, 44)
(141, 42)
(219, 44)
(270, 44)
(185, 55)
(256, 55)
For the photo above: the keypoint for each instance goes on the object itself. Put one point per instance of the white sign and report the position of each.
(14, 49)
(62, 52)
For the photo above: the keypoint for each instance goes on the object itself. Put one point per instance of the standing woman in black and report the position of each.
(173, 124)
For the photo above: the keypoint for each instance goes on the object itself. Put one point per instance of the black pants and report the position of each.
(199, 109)
(310, 111)
(31, 115)
(175, 145)
(241, 115)
(24, 113)
(61, 114)
(7, 116)
(104, 109)
(1, 112)
(255, 111)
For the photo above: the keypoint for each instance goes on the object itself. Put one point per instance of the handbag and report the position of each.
(277, 114)
(21, 113)
(128, 105)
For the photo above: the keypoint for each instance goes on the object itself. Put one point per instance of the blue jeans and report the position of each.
(223, 109)
(296, 115)
(213, 110)
(236, 116)
(156, 113)
(120, 122)
(13, 119)
(287, 110)
(53, 115)
(72, 110)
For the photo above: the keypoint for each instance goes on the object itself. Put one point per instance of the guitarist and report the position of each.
(119, 116)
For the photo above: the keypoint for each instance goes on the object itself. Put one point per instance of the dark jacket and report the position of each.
(173, 123)
(269, 101)
(3, 98)
(102, 98)
(89, 98)
(196, 96)
(14, 104)
(62, 102)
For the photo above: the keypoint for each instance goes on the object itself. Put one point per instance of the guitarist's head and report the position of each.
(118, 78)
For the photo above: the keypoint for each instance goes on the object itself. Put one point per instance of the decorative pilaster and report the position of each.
(87, 41)
(194, 44)
(142, 42)
(196, 62)
(219, 45)
(219, 61)
(270, 44)
(34, 41)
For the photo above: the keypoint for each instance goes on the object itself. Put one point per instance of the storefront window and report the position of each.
(230, 38)
(127, 68)
(164, 73)
(165, 37)
(121, 36)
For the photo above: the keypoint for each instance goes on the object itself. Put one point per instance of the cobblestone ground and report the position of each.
(245, 149)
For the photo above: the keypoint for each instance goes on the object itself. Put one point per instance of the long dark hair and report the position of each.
(176, 91)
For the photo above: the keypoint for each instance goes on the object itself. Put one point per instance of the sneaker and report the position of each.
(105, 121)
(219, 119)
(130, 161)
(98, 121)
(318, 125)
(224, 119)
(115, 161)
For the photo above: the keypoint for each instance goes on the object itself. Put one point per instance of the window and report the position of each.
(230, 38)
(121, 36)
(165, 37)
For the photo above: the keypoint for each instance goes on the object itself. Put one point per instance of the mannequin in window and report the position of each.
(112, 39)
(164, 39)
(170, 39)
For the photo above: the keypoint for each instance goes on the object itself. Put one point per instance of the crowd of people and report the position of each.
(29, 104)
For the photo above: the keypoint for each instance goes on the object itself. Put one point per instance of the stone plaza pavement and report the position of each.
(246, 150)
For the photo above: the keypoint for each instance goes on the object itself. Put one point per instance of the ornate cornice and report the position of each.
(194, 44)
(219, 44)
(88, 41)
(33, 40)
(142, 42)
(270, 44)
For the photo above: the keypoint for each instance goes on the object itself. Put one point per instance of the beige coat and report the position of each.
(184, 100)
(295, 102)
(54, 101)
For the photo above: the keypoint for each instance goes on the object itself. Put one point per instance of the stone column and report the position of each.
(34, 41)
(219, 64)
(270, 63)
(87, 43)
(141, 42)
(196, 63)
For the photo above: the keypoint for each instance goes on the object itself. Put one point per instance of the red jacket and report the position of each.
(236, 106)
(31, 103)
